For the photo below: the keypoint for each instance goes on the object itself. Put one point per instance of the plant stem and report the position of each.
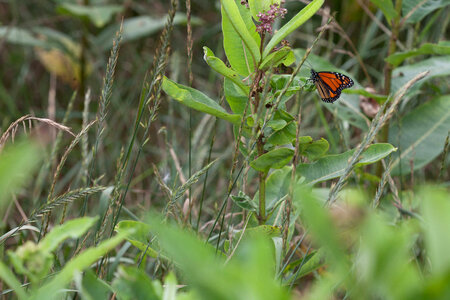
(262, 184)
(388, 68)
(262, 197)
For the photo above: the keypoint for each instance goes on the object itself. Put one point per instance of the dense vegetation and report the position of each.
(179, 150)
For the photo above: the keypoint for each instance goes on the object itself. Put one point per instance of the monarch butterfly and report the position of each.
(330, 84)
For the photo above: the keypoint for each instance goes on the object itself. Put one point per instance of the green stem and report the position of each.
(262, 184)
(262, 197)
(388, 68)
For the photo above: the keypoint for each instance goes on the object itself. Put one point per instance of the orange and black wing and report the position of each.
(330, 84)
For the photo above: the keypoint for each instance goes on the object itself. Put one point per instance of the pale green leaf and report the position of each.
(420, 135)
(234, 46)
(98, 15)
(138, 27)
(219, 66)
(387, 7)
(70, 229)
(442, 48)
(438, 67)
(421, 8)
(197, 100)
(275, 159)
(333, 166)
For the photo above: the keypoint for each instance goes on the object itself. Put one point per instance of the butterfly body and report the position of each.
(330, 84)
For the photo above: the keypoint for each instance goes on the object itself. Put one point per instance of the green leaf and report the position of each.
(219, 66)
(20, 36)
(51, 289)
(332, 166)
(282, 135)
(277, 57)
(93, 288)
(132, 283)
(70, 229)
(275, 159)
(300, 18)
(262, 230)
(312, 149)
(236, 98)
(420, 135)
(436, 221)
(442, 48)
(17, 165)
(197, 100)
(244, 201)
(140, 237)
(387, 7)
(277, 124)
(438, 67)
(98, 15)
(277, 186)
(241, 41)
(421, 8)
(138, 27)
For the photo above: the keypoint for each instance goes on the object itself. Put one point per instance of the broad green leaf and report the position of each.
(262, 230)
(93, 288)
(52, 289)
(98, 15)
(387, 7)
(438, 67)
(70, 229)
(277, 57)
(420, 135)
(421, 8)
(236, 22)
(442, 48)
(133, 283)
(140, 237)
(138, 27)
(277, 124)
(244, 201)
(17, 165)
(313, 149)
(236, 98)
(219, 66)
(20, 36)
(275, 159)
(332, 166)
(277, 186)
(311, 262)
(282, 134)
(300, 18)
(436, 221)
(197, 100)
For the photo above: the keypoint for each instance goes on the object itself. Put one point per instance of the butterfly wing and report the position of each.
(330, 84)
